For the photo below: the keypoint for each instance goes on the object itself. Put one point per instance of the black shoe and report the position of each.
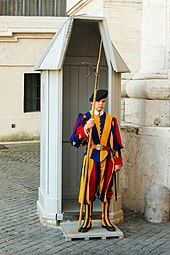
(85, 229)
(109, 228)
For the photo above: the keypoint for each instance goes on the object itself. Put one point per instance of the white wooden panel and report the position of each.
(49, 203)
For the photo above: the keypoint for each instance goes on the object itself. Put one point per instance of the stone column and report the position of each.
(146, 109)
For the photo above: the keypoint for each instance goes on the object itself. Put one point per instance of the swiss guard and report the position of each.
(104, 158)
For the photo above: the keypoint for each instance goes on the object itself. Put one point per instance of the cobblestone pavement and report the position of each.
(21, 233)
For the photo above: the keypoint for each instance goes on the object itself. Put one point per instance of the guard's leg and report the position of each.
(89, 206)
(87, 219)
(105, 217)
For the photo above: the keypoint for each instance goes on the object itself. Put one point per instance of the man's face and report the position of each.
(100, 105)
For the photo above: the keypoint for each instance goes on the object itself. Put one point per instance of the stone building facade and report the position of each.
(22, 41)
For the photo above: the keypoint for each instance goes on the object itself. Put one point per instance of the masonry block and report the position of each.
(157, 204)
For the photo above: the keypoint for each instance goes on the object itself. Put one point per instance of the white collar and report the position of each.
(98, 113)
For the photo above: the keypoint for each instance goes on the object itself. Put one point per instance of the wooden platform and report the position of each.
(70, 231)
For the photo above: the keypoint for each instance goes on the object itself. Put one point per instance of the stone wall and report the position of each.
(124, 21)
(146, 108)
(146, 162)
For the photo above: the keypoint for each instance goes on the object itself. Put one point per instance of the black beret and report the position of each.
(101, 94)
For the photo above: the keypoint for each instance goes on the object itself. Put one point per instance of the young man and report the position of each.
(105, 158)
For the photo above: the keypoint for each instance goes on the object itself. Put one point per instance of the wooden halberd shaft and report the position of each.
(90, 134)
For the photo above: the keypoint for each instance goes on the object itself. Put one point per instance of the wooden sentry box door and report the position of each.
(76, 92)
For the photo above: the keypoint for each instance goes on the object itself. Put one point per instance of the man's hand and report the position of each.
(117, 168)
(89, 124)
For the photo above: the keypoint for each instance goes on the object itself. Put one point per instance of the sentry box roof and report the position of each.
(79, 37)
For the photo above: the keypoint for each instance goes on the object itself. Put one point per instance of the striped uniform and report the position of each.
(101, 163)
